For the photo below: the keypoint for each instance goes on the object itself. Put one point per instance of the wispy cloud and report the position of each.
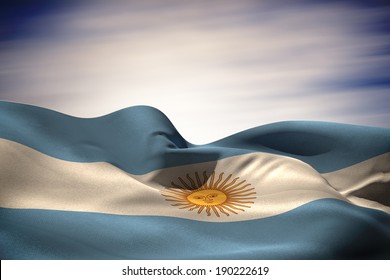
(214, 68)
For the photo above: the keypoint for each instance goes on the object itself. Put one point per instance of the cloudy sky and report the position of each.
(213, 67)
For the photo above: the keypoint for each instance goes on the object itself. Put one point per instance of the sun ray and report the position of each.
(235, 195)
(191, 181)
(235, 186)
(181, 204)
(187, 206)
(240, 194)
(200, 209)
(228, 209)
(239, 204)
(242, 189)
(222, 211)
(174, 200)
(205, 178)
(170, 198)
(240, 201)
(215, 211)
(177, 196)
(212, 180)
(219, 180)
(213, 196)
(251, 198)
(198, 179)
(184, 183)
(226, 180)
(234, 207)
(231, 183)
(193, 208)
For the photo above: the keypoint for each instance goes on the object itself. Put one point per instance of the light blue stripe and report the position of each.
(141, 139)
(323, 229)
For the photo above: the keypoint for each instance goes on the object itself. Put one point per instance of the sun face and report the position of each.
(212, 195)
(207, 197)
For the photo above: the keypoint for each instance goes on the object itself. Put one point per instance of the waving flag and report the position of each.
(128, 186)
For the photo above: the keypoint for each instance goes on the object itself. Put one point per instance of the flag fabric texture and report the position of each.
(128, 186)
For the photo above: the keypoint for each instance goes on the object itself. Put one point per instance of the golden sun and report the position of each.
(222, 195)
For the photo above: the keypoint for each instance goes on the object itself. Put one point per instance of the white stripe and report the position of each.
(348, 181)
(30, 179)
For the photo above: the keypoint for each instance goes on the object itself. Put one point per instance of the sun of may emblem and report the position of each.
(212, 194)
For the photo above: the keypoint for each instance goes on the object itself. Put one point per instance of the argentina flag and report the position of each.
(127, 185)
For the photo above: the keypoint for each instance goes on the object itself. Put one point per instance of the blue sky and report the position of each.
(213, 67)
